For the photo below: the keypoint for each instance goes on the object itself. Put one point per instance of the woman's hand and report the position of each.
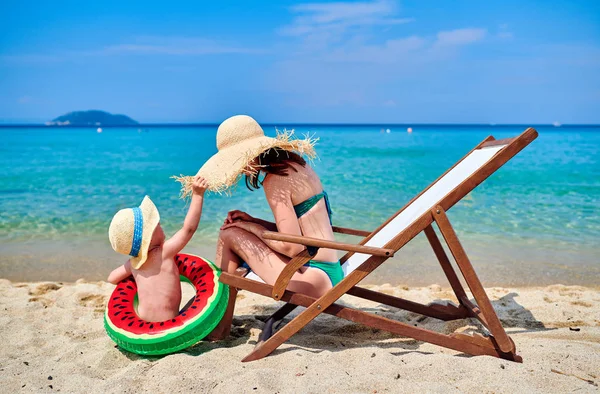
(237, 216)
(253, 228)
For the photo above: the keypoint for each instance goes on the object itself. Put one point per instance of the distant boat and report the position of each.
(99, 130)
(409, 130)
(556, 124)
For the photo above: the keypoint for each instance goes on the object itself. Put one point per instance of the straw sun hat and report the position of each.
(240, 139)
(131, 229)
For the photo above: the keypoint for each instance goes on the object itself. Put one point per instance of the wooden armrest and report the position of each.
(321, 243)
(351, 231)
(288, 271)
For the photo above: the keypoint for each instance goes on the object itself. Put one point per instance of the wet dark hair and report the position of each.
(273, 161)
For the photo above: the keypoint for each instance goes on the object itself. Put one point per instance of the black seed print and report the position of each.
(186, 259)
(194, 307)
(123, 293)
(203, 291)
(123, 318)
(127, 312)
(202, 284)
(117, 305)
(172, 320)
(125, 301)
(117, 313)
(130, 324)
(151, 326)
(162, 323)
(203, 275)
(195, 277)
(141, 325)
(131, 317)
(129, 287)
(116, 298)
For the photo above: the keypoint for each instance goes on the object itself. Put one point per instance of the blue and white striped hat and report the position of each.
(131, 230)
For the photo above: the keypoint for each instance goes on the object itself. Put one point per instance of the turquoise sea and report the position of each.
(535, 222)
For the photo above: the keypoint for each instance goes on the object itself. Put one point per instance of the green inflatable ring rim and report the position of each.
(190, 333)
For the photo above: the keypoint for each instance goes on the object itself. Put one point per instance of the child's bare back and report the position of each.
(153, 264)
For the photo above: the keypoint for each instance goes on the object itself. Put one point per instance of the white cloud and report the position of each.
(146, 45)
(333, 12)
(389, 52)
(339, 17)
(460, 36)
(174, 46)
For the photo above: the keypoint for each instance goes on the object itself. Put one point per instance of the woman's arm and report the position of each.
(277, 193)
(237, 216)
(266, 224)
(284, 248)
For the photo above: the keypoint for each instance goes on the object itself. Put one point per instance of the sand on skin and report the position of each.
(53, 339)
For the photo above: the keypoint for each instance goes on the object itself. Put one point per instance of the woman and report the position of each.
(294, 192)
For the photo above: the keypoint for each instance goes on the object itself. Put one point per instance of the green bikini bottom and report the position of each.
(333, 270)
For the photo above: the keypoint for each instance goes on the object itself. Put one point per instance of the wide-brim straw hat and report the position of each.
(240, 139)
(131, 230)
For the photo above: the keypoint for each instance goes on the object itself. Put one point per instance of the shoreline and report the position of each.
(55, 340)
(414, 265)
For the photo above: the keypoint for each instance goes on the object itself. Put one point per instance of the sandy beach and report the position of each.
(53, 340)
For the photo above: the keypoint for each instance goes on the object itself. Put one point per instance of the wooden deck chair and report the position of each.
(415, 217)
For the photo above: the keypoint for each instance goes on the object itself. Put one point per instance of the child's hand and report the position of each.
(199, 185)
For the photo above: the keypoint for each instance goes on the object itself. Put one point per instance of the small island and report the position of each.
(92, 118)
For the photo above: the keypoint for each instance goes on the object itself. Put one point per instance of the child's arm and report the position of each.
(178, 241)
(118, 274)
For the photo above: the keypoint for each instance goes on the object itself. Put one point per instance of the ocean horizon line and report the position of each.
(300, 124)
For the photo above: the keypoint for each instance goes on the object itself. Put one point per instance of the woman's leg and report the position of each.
(235, 244)
(227, 261)
(225, 258)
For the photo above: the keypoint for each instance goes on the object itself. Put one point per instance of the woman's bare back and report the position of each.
(301, 185)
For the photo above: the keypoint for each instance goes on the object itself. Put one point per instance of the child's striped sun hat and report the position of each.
(131, 229)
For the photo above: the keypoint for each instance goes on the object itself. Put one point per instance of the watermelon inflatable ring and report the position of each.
(195, 322)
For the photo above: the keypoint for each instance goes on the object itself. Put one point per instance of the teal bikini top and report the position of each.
(306, 205)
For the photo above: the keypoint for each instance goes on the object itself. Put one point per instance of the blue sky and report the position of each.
(422, 61)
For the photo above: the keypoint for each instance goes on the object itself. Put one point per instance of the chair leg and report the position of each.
(483, 302)
(223, 330)
(314, 310)
(273, 321)
(442, 257)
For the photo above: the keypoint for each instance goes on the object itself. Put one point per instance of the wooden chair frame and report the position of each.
(497, 343)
